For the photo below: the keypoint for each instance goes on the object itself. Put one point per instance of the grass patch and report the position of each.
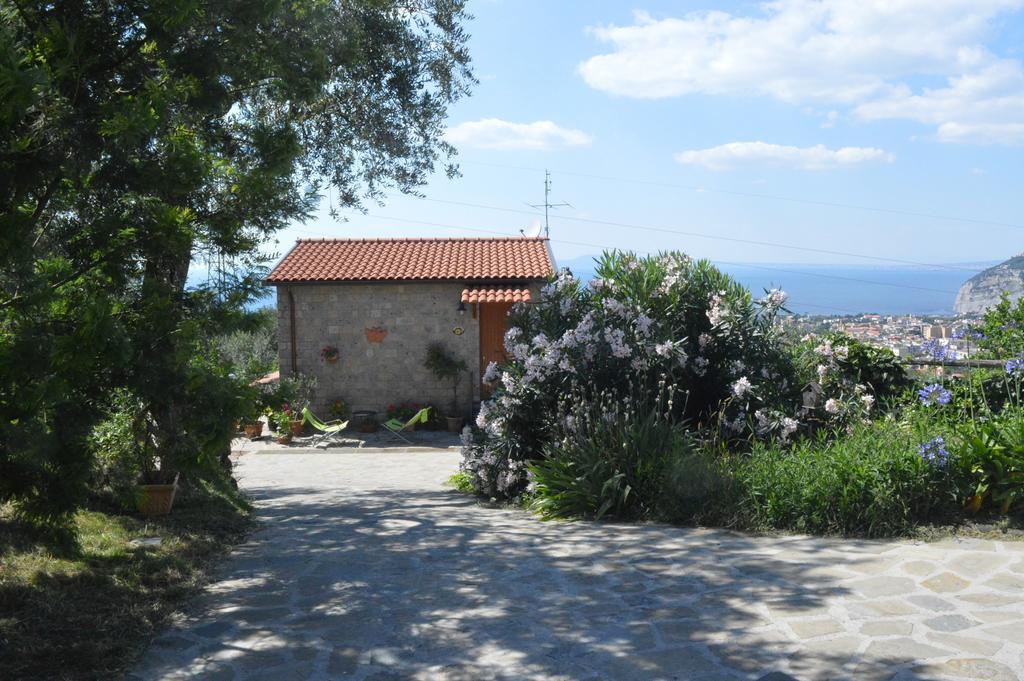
(86, 608)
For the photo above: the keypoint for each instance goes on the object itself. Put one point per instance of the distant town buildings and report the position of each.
(905, 336)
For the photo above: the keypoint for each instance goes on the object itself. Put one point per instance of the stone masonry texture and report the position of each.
(373, 375)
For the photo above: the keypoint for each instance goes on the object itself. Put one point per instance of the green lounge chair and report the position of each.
(327, 430)
(395, 427)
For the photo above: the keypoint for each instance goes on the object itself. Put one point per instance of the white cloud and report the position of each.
(822, 52)
(494, 133)
(986, 106)
(818, 157)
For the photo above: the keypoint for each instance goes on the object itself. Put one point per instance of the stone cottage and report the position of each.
(380, 302)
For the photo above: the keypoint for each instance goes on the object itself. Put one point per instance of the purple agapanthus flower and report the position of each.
(934, 394)
(1015, 366)
(968, 332)
(935, 350)
(934, 452)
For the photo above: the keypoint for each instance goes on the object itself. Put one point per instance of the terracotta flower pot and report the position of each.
(375, 334)
(331, 360)
(296, 427)
(254, 430)
(284, 438)
(157, 499)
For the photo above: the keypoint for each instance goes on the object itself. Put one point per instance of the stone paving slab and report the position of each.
(367, 568)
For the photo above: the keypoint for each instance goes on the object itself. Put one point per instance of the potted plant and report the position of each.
(281, 421)
(156, 492)
(446, 366)
(339, 410)
(329, 354)
(254, 429)
(250, 421)
(296, 420)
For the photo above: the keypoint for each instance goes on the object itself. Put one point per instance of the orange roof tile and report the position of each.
(495, 295)
(314, 260)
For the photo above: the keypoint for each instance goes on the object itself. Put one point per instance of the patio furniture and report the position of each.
(364, 421)
(395, 427)
(328, 430)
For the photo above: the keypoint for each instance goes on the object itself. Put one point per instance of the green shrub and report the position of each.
(989, 455)
(1002, 330)
(461, 482)
(251, 352)
(117, 444)
(854, 380)
(628, 459)
(871, 482)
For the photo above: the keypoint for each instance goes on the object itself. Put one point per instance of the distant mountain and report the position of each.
(984, 289)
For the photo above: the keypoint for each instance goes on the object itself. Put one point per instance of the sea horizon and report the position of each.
(823, 289)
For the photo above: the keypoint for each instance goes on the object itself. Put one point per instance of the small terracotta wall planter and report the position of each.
(375, 334)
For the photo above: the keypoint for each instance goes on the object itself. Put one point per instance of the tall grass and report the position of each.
(872, 482)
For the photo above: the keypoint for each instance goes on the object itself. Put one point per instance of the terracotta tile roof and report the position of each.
(495, 295)
(502, 258)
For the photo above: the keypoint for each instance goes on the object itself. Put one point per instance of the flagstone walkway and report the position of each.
(368, 568)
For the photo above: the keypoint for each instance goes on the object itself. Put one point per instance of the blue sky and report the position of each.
(695, 115)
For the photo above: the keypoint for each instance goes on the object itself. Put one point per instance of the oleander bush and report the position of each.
(646, 325)
(664, 390)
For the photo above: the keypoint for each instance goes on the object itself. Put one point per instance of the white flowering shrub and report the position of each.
(643, 322)
(848, 381)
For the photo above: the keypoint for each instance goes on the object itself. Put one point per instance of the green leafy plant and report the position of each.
(252, 349)
(609, 457)
(446, 367)
(461, 482)
(872, 481)
(1001, 334)
(990, 456)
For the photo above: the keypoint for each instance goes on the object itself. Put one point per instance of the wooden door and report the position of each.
(493, 324)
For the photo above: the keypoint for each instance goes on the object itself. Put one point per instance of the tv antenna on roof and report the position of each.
(547, 202)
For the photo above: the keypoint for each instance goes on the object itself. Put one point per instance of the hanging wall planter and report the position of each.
(330, 354)
(375, 334)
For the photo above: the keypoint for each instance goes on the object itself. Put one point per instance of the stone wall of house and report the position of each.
(372, 375)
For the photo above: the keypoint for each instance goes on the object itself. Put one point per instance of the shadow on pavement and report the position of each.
(403, 584)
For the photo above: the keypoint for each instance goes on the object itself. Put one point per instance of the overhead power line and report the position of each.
(758, 195)
(609, 247)
(713, 237)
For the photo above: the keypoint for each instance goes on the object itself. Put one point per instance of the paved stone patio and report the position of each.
(368, 568)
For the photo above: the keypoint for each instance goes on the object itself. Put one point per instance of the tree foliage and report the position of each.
(1002, 328)
(139, 137)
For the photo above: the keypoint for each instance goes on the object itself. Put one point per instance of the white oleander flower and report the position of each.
(741, 387)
